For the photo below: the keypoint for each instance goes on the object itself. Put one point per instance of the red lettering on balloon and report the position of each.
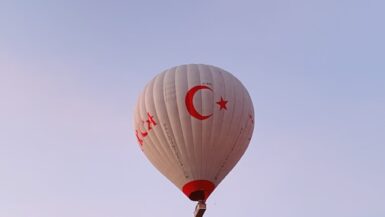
(144, 134)
(147, 126)
(140, 141)
(150, 121)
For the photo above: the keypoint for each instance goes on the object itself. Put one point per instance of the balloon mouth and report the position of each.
(198, 190)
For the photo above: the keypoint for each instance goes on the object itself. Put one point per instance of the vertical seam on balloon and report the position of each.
(165, 145)
(241, 132)
(201, 127)
(146, 145)
(221, 133)
(221, 163)
(194, 157)
(222, 128)
(171, 137)
(213, 121)
(247, 100)
(248, 126)
(164, 138)
(150, 144)
(241, 124)
(164, 159)
(183, 146)
(226, 159)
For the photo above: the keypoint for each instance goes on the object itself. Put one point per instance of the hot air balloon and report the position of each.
(194, 122)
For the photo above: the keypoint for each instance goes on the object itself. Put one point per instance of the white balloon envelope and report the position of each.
(194, 122)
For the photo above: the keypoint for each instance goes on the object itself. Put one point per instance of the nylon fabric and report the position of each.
(197, 138)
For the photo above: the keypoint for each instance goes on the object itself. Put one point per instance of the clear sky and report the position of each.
(71, 71)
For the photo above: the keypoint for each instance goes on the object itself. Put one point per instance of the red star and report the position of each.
(222, 104)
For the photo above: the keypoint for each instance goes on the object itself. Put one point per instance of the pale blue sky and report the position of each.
(70, 73)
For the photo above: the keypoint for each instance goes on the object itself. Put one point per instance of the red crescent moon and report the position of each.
(190, 102)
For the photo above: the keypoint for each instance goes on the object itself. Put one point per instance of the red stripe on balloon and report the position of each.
(198, 189)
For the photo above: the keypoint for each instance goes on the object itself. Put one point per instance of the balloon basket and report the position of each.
(200, 209)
